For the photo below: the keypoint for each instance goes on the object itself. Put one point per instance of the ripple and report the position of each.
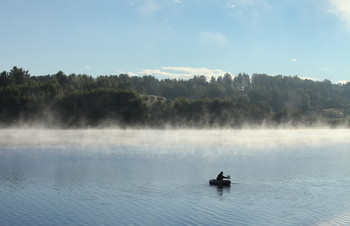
(156, 186)
(343, 219)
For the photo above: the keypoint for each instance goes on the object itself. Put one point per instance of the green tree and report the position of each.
(19, 75)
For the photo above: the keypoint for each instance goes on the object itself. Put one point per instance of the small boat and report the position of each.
(220, 182)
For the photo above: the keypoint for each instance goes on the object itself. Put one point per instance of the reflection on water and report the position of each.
(109, 177)
(221, 190)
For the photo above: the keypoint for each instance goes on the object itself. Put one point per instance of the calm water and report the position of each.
(145, 177)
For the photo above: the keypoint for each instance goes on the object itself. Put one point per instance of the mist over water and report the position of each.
(260, 139)
(113, 176)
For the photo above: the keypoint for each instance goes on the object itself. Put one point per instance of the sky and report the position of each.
(177, 38)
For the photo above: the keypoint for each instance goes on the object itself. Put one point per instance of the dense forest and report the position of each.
(79, 100)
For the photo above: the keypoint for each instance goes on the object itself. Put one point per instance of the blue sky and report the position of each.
(177, 38)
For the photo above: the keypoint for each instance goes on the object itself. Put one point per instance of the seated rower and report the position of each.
(221, 176)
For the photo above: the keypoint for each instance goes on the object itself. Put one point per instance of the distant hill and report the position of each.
(79, 100)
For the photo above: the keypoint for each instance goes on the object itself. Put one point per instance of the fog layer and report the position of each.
(184, 142)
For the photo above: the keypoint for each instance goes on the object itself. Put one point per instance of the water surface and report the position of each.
(160, 177)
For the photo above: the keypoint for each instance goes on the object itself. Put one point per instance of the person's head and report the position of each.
(221, 172)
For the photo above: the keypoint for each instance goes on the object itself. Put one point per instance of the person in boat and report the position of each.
(221, 176)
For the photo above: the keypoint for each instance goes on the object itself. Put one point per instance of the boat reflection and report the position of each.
(222, 189)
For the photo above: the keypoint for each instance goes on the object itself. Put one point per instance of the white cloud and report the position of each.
(253, 12)
(149, 6)
(293, 60)
(341, 8)
(309, 78)
(246, 2)
(325, 69)
(87, 67)
(230, 5)
(217, 38)
(343, 82)
(183, 72)
(131, 74)
(262, 4)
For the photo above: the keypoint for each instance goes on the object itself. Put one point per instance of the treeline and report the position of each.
(226, 101)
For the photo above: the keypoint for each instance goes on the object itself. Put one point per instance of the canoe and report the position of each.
(220, 182)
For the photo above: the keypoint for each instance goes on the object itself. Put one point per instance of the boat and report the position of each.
(220, 182)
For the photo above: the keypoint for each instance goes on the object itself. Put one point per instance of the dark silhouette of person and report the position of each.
(220, 176)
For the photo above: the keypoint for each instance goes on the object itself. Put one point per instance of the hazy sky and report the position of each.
(177, 38)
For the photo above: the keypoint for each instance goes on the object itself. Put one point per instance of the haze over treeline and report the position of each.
(79, 100)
